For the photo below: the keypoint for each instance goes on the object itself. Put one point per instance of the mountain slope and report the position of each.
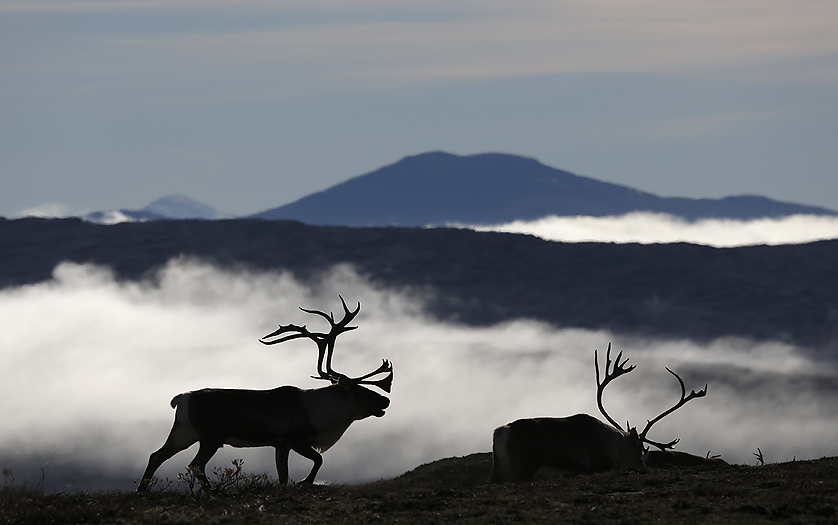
(439, 188)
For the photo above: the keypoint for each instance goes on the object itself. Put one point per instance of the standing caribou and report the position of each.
(580, 443)
(286, 418)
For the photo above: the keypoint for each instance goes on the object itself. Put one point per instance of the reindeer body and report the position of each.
(581, 443)
(286, 418)
(575, 444)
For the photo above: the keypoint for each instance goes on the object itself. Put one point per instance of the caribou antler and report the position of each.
(325, 341)
(384, 383)
(299, 332)
(684, 399)
(326, 346)
(620, 369)
(610, 375)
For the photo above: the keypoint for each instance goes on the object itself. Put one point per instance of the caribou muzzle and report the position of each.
(384, 404)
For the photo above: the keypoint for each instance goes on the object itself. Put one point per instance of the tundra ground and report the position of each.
(456, 489)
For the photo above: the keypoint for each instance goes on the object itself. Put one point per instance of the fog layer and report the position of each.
(661, 228)
(88, 366)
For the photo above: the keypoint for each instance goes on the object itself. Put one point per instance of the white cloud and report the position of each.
(650, 228)
(49, 209)
(91, 364)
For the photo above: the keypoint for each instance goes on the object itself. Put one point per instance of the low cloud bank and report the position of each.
(88, 366)
(648, 228)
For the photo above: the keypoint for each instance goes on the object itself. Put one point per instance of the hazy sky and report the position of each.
(93, 363)
(252, 104)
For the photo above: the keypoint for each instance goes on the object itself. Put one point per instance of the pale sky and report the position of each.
(249, 105)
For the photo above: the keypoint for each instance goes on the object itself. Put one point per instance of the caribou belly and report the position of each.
(324, 440)
(246, 443)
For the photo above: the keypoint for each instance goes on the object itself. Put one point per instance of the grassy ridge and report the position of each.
(456, 489)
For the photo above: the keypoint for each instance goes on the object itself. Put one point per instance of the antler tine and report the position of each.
(384, 383)
(300, 332)
(684, 400)
(662, 446)
(386, 366)
(348, 315)
(329, 317)
(337, 329)
(610, 374)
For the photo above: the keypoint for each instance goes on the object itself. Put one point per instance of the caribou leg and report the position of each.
(205, 452)
(310, 453)
(180, 438)
(282, 463)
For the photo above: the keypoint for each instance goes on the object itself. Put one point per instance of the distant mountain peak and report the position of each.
(439, 188)
(169, 207)
(181, 207)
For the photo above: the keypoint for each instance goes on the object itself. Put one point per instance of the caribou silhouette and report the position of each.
(580, 443)
(287, 418)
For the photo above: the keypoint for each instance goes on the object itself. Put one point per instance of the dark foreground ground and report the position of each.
(456, 489)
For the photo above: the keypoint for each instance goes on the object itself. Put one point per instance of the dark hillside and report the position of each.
(456, 489)
(681, 290)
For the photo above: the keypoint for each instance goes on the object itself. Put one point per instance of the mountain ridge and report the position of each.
(443, 189)
(439, 189)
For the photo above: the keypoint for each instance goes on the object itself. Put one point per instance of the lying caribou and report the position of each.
(577, 444)
(286, 418)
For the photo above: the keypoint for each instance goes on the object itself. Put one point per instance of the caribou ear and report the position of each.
(633, 434)
(644, 456)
